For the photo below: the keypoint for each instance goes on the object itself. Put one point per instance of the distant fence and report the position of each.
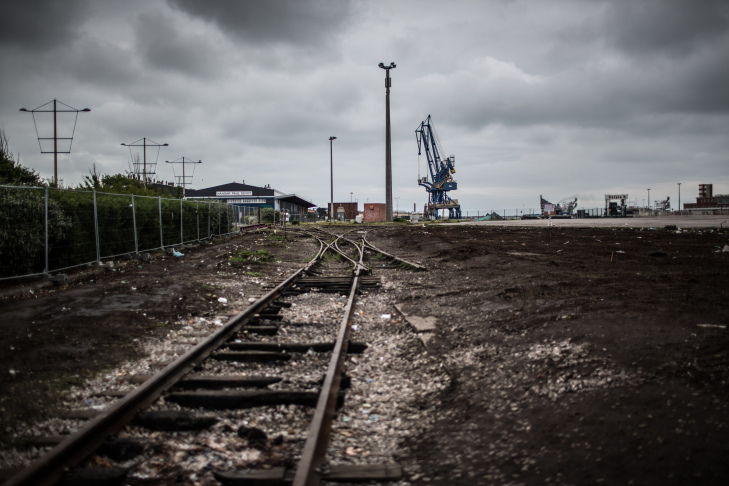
(45, 230)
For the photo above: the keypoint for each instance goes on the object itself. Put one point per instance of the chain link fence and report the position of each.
(45, 230)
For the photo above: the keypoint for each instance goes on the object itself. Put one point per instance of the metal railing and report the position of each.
(44, 229)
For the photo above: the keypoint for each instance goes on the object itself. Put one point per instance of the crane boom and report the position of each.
(440, 173)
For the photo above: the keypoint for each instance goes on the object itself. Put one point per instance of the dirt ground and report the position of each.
(53, 337)
(576, 355)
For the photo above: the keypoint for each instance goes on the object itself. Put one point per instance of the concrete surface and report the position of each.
(656, 222)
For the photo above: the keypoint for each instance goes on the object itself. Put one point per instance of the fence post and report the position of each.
(46, 269)
(161, 238)
(96, 230)
(134, 222)
(182, 224)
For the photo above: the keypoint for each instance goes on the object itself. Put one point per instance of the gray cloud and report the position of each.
(298, 23)
(166, 48)
(668, 27)
(35, 25)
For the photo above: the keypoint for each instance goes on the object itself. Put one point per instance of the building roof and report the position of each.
(294, 199)
(237, 190)
(232, 189)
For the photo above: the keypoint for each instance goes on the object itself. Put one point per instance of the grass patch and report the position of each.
(257, 256)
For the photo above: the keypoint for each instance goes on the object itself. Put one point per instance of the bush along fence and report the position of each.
(44, 230)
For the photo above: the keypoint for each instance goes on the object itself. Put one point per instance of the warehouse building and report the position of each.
(250, 199)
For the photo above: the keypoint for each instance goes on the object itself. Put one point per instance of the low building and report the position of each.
(375, 212)
(707, 199)
(344, 211)
(250, 199)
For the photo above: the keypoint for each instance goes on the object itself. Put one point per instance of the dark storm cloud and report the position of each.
(300, 23)
(672, 27)
(40, 24)
(164, 47)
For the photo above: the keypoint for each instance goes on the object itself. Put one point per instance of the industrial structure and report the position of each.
(439, 179)
(562, 208)
(615, 205)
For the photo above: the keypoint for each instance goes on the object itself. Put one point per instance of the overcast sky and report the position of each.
(559, 98)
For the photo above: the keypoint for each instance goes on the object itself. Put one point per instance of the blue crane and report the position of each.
(440, 180)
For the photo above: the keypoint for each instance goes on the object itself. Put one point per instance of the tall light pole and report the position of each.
(388, 143)
(183, 180)
(331, 166)
(145, 143)
(55, 137)
(398, 206)
(679, 196)
(649, 198)
(350, 197)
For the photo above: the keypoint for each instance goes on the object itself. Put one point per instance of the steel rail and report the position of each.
(372, 247)
(47, 469)
(308, 471)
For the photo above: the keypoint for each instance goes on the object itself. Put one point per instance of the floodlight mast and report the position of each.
(388, 143)
(184, 177)
(55, 112)
(145, 144)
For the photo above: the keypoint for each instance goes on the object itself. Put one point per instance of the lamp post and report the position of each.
(331, 166)
(55, 137)
(649, 198)
(398, 206)
(388, 143)
(145, 143)
(679, 196)
(350, 197)
(183, 180)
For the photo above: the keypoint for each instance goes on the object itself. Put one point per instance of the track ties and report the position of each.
(240, 399)
(355, 473)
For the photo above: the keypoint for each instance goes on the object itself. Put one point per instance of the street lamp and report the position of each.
(331, 164)
(183, 180)
(679, 196)
(145, 143)
(388, 143)
(398, 206)
(649, 198)
(55, 137)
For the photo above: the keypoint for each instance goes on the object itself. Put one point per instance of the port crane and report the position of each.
(440, 179)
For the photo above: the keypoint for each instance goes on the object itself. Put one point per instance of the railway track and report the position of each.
(262, 357)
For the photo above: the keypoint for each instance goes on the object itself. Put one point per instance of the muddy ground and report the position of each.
(576, 355)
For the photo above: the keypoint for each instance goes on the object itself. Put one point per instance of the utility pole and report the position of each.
(388, 143)
(183, 180)
(679, 196)
(649, 198)
(145, 143)
(55, 138)
(331, 167)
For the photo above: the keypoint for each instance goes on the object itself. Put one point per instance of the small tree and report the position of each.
(11, 172)
(267, 215)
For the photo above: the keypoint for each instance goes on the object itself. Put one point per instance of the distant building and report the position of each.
(245, 196)
(707, 199)
(344, 211)
(375, 213)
